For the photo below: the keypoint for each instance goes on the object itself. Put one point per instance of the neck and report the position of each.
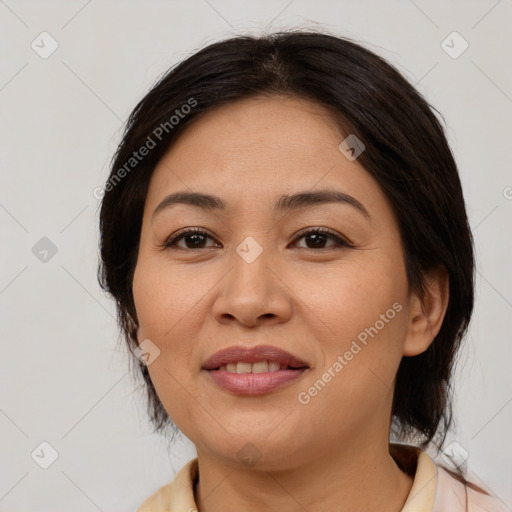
(354, 480)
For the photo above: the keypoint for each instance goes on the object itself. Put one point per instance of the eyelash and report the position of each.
(171, 242)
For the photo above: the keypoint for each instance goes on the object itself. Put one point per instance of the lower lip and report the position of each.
(254, 383)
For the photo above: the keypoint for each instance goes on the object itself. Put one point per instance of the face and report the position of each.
(256, 274)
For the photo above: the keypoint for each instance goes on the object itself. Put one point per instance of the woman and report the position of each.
(285, 236)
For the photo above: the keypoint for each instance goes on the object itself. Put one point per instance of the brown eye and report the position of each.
(197, 238)
(193, 238)
(317, 238)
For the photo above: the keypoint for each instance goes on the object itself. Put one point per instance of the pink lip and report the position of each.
(252, 355)
(254, 383)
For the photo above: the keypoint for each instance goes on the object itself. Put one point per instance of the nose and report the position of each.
(253, 292)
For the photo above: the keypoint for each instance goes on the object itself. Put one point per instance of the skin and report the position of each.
(312, 302)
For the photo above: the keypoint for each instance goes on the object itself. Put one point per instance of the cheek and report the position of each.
(365, 312)
(165, 299)
(355, 297)
(164, 302)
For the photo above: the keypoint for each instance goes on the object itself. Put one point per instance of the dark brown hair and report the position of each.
(406, 151)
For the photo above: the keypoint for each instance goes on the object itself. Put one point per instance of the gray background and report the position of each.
(64, 375)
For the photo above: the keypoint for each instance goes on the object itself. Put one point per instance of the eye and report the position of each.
(193, 238)
(318, 236)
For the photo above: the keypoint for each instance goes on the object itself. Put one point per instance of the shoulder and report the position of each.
(453, 495)
(160, 500)
(177, 495)
(435, 489)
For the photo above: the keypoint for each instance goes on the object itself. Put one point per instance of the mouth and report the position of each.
(241, 367)
(259, 359)
(253, 371)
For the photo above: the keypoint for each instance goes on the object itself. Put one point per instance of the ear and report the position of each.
(426, 316)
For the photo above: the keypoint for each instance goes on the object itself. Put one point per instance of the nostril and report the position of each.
(268, 315)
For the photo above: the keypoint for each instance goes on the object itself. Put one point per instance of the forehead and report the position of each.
(252, 150)
(275, 127)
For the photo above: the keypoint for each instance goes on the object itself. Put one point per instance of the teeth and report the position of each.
(273, 366)
(258, 367)
(243, 367)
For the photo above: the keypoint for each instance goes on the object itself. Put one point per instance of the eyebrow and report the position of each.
(285, 203)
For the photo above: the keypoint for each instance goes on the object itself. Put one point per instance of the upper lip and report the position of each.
(252, 355)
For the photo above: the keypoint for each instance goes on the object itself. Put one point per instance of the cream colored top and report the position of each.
(433, 490)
